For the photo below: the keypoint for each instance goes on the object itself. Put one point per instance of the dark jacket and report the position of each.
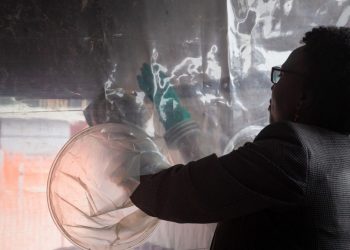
(289, 189)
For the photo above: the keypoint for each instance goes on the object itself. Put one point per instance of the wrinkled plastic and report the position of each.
(216, 56)
(243, 136)
(91, 181)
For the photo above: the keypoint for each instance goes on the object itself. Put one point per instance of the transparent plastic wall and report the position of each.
(215, 55)
(193, 75)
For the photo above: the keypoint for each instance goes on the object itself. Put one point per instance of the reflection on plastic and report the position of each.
(91, 181)
(245, 135)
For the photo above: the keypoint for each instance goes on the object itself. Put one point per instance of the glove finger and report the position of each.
(142, 84)
(145, 87)
(164, 82)
(155, 68)
(146, 69)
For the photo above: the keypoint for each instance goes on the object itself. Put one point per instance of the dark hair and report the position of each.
(327, 52)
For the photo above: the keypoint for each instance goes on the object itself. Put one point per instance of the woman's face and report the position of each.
(288, 92)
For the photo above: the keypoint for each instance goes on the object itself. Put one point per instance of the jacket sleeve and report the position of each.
(270, 172)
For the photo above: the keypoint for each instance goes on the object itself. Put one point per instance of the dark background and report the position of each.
(67, 48)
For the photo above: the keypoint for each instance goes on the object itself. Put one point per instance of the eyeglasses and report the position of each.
(276, 74)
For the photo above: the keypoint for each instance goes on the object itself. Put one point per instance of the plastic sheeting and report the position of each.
(217, 56)
(91, 181)
(89, 187)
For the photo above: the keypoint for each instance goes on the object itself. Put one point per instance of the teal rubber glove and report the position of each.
(159, 90)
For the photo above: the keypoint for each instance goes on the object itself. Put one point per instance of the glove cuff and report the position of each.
(180, 130)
